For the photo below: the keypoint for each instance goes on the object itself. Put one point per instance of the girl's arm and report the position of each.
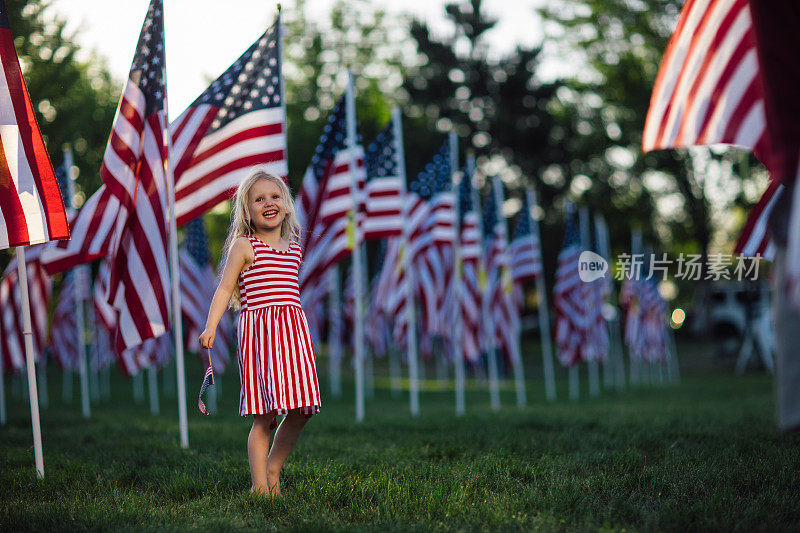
(240, 256)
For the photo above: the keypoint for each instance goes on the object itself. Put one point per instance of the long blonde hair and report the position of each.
(240, 218)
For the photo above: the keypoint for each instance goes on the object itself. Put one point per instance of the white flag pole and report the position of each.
(635, 370)
(81, 288)
(358, 273)
(334, 333)
(504, 278)
(405, 257)
(458, 326)
(29, 358)
(175, 277)
(541, 297)
(488, 323)
(594, 369)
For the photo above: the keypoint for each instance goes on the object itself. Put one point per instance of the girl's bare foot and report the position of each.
(274, 484)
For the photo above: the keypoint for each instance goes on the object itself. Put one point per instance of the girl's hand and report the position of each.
(207, 339)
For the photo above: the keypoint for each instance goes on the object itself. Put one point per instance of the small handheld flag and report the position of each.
(208, 380)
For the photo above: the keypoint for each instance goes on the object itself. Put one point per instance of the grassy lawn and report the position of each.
(702, 454)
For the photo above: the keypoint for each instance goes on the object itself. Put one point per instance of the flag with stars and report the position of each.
(526, 256)
(238, 122)
(325, 203)
(470, 240)
(570, 297)
(133, 171)
(431, 236)
(498, 295)
(384, 208)
(198, 283)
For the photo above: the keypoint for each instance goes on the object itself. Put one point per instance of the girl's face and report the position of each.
(266, 206)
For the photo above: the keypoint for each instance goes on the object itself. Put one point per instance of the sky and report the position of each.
(202, 39)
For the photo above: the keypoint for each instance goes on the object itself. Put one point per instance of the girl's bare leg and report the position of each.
(285, 438)
(257, 447)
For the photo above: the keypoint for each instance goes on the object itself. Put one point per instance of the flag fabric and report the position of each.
(505, 316)
(526, 255)
(325, 202)
(754, 239)
(208, 380)
(708, 89)
(133, 172)
(569, 297)
(470, 298)
(12, 340)
(31, 207)
(384, 207)
(390, 292)
(431, 237)
(65, 340)
(730, 75)
(238, 122)
(197, 284)
(645, 320)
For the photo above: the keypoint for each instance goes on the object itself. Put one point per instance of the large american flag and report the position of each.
(569, 296)
(31, 208)
(384, 203)
(325, 202)
(431, 235)
(133, 170)
(499, 285)
(729, 76)
(40, 287)
(238, 122)
(470, 297)
(198, 283)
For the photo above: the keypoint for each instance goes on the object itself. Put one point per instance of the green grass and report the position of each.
(703, 454)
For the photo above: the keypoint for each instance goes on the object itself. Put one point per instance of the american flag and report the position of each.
(526, 255)
(597, 337)
(133, 170)
(389, 293)
(499, 285)
(431, 237)
(64, 338)
(754, 239)
(208, 380)
(12, 341)
(471, 291)
(645, 319)
(31, 208)
(325, 202)
(384, 188)
(198, 283)
(569, 297)
(727, 76)
(239, 121)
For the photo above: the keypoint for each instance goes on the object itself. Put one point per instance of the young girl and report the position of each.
(276, 359)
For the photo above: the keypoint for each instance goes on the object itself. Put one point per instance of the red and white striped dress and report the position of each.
(276, 357)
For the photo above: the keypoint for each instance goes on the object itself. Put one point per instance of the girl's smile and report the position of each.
(267, 209)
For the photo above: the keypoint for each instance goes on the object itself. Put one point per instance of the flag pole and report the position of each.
(175, 275)
(541, 297)
(458, 326)
(494, 389)
(635, 370)
(593, 367)
(505, 279)
(411, 343)
(27, 332)
(81, 286)
(358, 274)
